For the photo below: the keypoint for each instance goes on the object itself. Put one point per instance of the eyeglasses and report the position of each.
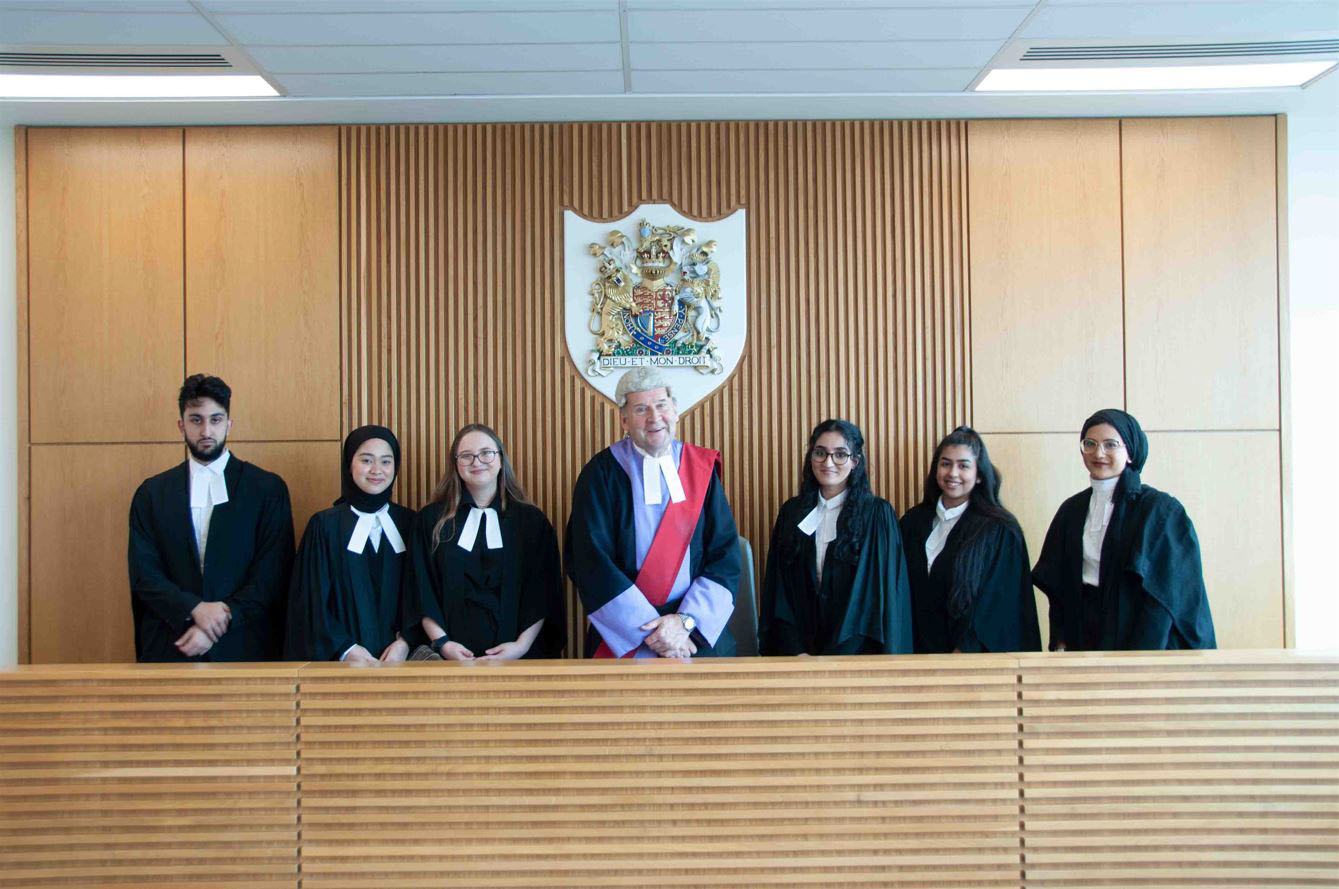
(1092, 446)
(465, 458)
(819, 455)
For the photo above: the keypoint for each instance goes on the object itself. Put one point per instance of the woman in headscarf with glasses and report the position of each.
(1121, 562)
(968, 563)
(484, 579)
(344, 598)
(836, 578)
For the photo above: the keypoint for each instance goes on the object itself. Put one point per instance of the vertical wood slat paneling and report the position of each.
(733, 773)
(163, 776)
(451, 292)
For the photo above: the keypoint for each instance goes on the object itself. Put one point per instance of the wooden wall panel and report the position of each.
(80, 526)
(309, 468)
(262, 285)
(1046, 272)
(1229, 484)
(451, 273)
(104, 282)
(1201, 272)
(737, 773)
(1180, 769)
(149, 776)
(1039, 472)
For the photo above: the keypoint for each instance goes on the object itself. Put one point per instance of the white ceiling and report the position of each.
(597, 59)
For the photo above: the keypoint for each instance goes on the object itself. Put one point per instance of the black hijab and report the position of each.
(1136, 442)
(350, 492)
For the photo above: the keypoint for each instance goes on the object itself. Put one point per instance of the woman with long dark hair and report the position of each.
(344, 598)
(970, 584)
(836, 580)
(484, 581)
(1121, 561)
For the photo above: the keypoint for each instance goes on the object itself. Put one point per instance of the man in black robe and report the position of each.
(211, 545)
(651, 542)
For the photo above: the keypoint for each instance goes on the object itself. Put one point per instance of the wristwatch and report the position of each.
(689, 624)
(437, 644)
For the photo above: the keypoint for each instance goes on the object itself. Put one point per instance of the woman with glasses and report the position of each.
(484, 580)
(344, 598)
(836, 579)
(1121, 562)
(968, 563)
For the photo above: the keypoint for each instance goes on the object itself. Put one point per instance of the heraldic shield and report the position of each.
(656, 288)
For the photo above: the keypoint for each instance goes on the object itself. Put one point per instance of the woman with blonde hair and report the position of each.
(484, 579)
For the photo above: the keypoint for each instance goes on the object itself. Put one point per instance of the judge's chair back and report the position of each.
(744, 622)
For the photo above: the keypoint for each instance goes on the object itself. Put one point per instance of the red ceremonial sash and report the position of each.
(675, 533)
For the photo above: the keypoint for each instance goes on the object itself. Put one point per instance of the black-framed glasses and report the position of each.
(486, 456)
(819, 455)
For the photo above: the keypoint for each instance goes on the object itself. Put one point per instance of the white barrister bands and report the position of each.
(370, 523)
(208, 487)
(492, 530)
(652, 469)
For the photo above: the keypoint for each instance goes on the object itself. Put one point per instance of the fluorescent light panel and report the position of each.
(1139, 79)
(132, 86)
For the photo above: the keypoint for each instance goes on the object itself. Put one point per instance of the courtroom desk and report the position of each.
(1169, 769)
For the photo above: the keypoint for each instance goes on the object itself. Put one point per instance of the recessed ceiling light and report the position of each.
(1138, 79)
(130, 86)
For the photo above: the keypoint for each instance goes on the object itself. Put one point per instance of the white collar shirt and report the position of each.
(208, 490)
(821, 522)
(1095, 528)
(944, 522)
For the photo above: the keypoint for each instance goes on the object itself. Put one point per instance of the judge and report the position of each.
(344, 599)
(651, 543)
(1121, 562)
(484, 580)
(836, 579)
(211, 545)
(971, 585)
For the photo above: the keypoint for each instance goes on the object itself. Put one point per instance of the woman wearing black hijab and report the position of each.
(1121, 562)
(836, 579)
(344, 601)
(971, 588)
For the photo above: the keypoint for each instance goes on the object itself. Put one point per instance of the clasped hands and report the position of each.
(209, 621)
(668, 637)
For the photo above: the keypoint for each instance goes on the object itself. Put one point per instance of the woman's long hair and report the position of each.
(855, 514)
(451, 490)
(986, 510)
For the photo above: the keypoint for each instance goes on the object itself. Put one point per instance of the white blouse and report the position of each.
(1095, 528)
(945, 520)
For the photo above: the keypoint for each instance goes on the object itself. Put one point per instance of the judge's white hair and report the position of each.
(640, 379)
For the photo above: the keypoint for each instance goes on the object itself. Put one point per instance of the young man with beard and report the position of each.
(211, 545)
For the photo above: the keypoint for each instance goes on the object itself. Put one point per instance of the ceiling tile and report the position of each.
(404, 59)
(741, 26)
(784, 56)
(905, 80)
(47, 28)
(420, 28)
(566, 83)
(1202, 22)
(314, 7)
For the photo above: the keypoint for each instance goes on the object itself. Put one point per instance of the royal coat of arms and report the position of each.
(656, 288)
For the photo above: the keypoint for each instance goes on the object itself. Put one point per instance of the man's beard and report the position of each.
(210, 455)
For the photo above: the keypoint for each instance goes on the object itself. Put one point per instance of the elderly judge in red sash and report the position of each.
(651, 543)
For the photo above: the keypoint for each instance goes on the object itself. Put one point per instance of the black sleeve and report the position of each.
(150, 587)
(258, 597)
(590, 545)
(542, 588)
(1048, 576)
(421, 583)
(778, 633)
(312, 631)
